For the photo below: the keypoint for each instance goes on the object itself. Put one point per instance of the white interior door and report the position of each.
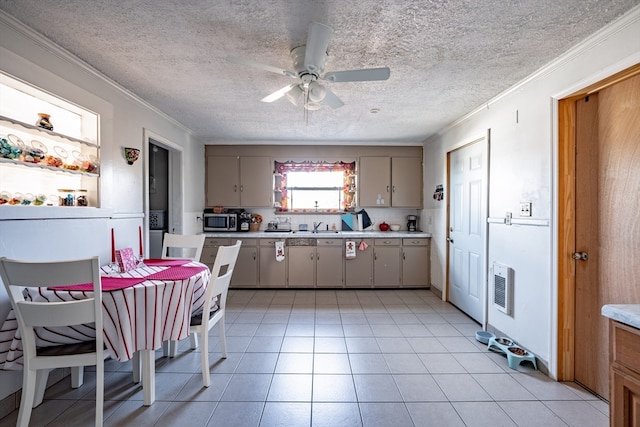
(468, 228)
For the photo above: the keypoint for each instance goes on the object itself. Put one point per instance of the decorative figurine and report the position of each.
(43, 121)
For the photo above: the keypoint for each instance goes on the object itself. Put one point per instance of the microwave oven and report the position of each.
(220, 222)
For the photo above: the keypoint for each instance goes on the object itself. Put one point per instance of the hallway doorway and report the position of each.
(599, 226)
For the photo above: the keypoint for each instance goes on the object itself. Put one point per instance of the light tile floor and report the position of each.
(333, 358)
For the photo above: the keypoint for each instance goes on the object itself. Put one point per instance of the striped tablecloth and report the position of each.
(138, 317)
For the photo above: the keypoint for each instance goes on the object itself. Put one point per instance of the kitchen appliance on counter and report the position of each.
(280, 224)
(245, 221)
(224, 221)
(412, 223)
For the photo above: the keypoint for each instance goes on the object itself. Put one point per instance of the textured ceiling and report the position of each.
(447, 57)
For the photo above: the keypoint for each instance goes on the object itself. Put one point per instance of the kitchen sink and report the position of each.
(319, 232)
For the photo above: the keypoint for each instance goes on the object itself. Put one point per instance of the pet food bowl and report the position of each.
(484, 336)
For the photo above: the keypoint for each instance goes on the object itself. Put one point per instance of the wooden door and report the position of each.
(406, 182)
(607, 221)
(468, 229)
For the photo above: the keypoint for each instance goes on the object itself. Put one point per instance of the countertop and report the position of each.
(629, 314)
(322, 234)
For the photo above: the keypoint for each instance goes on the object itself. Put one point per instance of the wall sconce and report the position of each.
(131, 154)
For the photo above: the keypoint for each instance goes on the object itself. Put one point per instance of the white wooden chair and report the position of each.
(39, 361)
(221, 273)
(192, 243)
(172, 243)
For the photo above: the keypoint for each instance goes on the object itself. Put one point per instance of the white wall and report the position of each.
(123, 119)
(523, 168)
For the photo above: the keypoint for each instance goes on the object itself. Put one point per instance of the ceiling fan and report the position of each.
(308, 63)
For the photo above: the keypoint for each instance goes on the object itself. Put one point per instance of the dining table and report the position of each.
(142, 308)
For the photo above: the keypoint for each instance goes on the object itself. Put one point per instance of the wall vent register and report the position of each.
(502, 287)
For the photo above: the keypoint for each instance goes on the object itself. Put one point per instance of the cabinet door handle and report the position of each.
(393, 188)
(241, 188)
(387, 188)
(311, 256)
(318, 257)
(254, 256)
(235, 188)
(404, 256)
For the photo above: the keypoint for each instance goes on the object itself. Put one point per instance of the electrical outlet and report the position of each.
(507, 218)
(525, 209)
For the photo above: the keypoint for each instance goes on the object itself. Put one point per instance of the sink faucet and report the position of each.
(315, 227)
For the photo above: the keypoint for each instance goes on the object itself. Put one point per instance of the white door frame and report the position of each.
(176, 182)
(485, 245)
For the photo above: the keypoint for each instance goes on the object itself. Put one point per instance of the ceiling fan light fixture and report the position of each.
(312, 106)
(317, 92)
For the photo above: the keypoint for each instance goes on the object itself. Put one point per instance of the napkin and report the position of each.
(108, 284)
(350, 249)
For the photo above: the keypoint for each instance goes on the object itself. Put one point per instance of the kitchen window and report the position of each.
(315, 186)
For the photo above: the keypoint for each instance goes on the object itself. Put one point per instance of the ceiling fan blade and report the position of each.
(316, 48)
(250, 63)
(364, 75)
(278, 94)
(332, 100)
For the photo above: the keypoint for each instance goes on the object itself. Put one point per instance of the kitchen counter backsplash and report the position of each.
(377, 215)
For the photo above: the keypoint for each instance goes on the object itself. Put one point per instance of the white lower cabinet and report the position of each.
(316, 266)
(385, 263)
(272, 273)
(416, 263)
(245, 273)
(330, 263)
(302, 266)
(358, 271)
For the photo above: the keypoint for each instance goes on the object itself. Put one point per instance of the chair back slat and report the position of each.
(183, 242)
(68, 313)
(221, 272)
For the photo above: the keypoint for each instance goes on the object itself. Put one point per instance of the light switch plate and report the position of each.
(525, 209)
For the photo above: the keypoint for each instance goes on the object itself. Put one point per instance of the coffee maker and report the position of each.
(412, 222)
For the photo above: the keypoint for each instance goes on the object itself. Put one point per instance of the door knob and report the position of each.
(580, 256)
(449, 239)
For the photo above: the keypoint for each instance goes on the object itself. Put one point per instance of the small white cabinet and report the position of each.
(416, 263)
(245, 273)
(233, 181)
(386, 263)
(390, 182)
